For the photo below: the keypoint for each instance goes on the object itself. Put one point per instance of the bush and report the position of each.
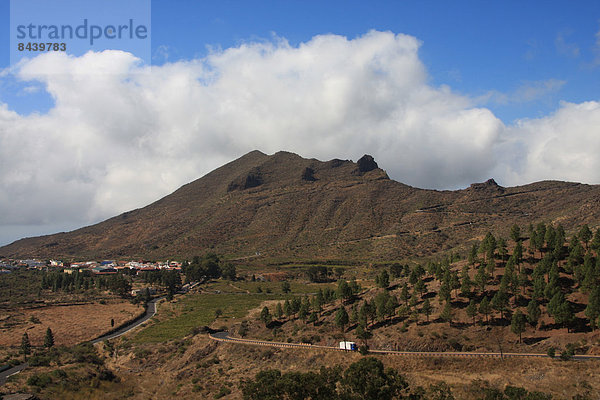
(551, 352)
(59, 374)
(40, 360)
(86, 353)
(223, 392)
(107, 375)
(565, 355)
(41, 380)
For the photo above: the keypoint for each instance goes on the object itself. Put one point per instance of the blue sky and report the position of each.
(442, 94)
(473, 46)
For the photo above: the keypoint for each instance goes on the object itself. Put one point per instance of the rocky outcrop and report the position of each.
(366, 163)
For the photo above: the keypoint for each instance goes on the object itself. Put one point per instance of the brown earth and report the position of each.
(270, 206)
(70, 324)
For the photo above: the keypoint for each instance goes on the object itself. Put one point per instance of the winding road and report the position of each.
(223, 336)
(150, 312)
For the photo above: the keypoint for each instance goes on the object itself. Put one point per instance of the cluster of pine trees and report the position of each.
(519, 285)
(209, 266)
(523, 280)
(309, 309)
(59, 281)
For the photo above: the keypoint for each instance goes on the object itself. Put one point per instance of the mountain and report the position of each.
(284, 207)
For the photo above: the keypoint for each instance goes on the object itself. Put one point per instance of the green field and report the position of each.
(195, 310)
(299, 288)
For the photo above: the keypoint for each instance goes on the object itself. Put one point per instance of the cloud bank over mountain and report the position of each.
(121, 134)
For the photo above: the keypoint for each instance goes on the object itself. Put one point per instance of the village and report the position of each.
(105, 267)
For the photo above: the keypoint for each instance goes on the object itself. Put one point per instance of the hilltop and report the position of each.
(283, 206)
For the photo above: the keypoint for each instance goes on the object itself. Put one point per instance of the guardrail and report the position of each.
(226, 338)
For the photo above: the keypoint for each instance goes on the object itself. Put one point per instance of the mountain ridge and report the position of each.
(286, 206)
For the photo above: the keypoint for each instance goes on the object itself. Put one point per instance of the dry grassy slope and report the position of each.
(342, 214)
(205, 367)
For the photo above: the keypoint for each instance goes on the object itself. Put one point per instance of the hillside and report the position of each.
(283, 206)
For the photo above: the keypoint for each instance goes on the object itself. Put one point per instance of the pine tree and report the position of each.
(472, 310)
(265, 316)
(363, 334)
(517, 325)
(585, 234)
(447, 313)
(279, 311)
(427, 308)
(473, 255)
(592, 311)
(287, 308)
(484, 308)
(25, 345)
(500, 302)
(341, 319)
(405, 295)
(466, 283)
(533, 313)
(481, 278)
(383, 279)
(49, 339)
(343, 292)
(564, 315)
(596, 241)
(420, 287)
(515, 233)
(502, 250)
(518, 254)
(313, 318)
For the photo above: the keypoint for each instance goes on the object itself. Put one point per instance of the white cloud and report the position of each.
(561, 146)
(122, 134)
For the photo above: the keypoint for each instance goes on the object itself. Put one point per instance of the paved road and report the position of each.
(223, 336)
(150, 312)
